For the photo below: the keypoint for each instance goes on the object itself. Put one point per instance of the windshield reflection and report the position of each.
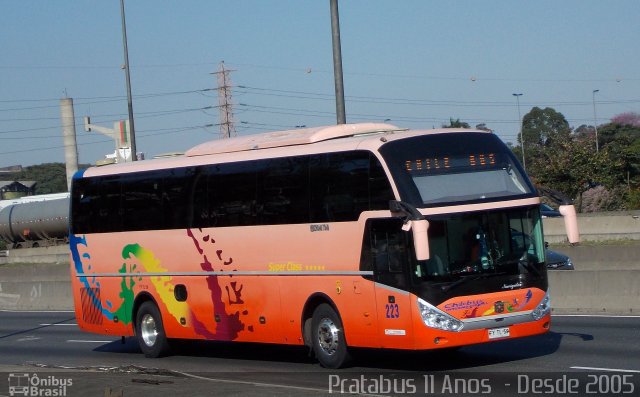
(484, 245)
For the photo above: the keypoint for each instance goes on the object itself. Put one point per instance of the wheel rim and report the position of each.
(148, 330)
(328, 336)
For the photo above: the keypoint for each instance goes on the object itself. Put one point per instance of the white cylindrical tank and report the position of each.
(43, 220)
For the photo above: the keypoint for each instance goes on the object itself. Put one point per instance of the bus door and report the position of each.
(389, 254)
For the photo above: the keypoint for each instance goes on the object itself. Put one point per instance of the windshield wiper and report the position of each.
(530, 268)
(466, 279)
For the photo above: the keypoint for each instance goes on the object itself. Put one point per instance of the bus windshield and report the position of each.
(455, 168)
(484, 244)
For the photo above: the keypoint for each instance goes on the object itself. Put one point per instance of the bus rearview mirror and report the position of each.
(419, 226)
(568, 212)
(420, 238)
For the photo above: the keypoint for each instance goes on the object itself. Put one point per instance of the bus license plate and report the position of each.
(496, 333)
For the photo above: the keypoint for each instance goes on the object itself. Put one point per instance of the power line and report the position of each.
(158, 112)
(470, 77)
(141, 116)
(98, 99)
(412, 101)
(113, 67)
(155, 132)
(317, 113)
(308, 69)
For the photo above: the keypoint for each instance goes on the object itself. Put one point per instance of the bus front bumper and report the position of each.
(483, 331)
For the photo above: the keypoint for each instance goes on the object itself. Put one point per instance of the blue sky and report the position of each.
(415, 62)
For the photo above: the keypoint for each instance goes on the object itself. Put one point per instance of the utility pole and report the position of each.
(524, 164)
(227, 128)
(341, 117)
(595, 120)
(132, 133)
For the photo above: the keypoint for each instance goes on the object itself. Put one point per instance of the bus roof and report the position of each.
(288, 138)
(364, 136)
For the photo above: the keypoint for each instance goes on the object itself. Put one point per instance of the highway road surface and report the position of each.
(582, 355)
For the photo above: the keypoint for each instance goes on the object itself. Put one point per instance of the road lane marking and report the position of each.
(608, 369)
(55, 324)
(88, 341)
(28, 339)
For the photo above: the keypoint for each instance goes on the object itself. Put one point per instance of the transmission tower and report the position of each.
(227, 128)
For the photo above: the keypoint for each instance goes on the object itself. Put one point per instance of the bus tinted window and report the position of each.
(176, 196)
(339, 186)
(85, 203)
(109, 204)
(283, 191)
(233, 194)
(332, 187)
(141, 202)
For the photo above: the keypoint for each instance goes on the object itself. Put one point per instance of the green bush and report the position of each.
(633, 200)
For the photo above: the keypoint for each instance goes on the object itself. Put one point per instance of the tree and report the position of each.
(559, 159)
(483, 127)
(541, 126)
(622, 138)
(584, 129)
(572, 166)
(541, 129)
(611, 131)
(629, 118)
(456, 124)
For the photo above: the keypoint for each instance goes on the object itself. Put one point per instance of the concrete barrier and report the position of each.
(603, 257)
(595, 291)
(606, 280)
(37, 286)
(596, 227)
(53, 254)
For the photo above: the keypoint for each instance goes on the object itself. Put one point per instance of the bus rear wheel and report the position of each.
(327, 337)
(150, 331)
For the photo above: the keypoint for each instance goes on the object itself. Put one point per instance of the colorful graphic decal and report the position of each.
(510, 306)
(126, 293)
(88, 282)
(162, 284)
(227, 326)
(139, 260)
(472, 308)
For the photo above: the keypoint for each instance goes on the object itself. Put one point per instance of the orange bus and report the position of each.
(356, 235)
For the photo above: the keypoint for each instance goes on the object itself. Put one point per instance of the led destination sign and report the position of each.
(450, 163)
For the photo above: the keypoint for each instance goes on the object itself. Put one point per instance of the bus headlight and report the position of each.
(436, 318)
(543, 308)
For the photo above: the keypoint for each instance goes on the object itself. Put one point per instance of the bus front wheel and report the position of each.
(150, 332)
(327, 336)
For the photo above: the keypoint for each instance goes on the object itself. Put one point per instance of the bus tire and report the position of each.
(150, 331)
(328, 339)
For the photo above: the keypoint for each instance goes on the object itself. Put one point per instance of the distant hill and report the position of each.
(51, 177)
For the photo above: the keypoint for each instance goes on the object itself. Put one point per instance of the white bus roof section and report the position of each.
(288, 138)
